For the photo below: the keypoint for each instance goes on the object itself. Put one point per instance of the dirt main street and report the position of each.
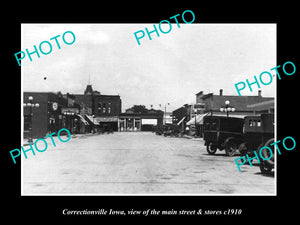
(138, 163)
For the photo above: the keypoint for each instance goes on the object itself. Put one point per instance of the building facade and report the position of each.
(143, 121)
(182, 115)
(79, 113)
(212, 103)
(102, 110)
(107, 109)
(53, 113)
(191, 115)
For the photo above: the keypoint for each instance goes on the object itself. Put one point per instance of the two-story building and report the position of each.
(182, 115)
(48, 112)
(225, 105)
(213, 103)
(102, 110)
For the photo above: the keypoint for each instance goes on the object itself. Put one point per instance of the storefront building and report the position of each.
(181, 116)
(107, 109)
(140, 121)
(102, 110)
(212, 103)
(190, 116)
(53, 113)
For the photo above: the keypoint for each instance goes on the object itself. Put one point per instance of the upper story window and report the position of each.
(254, 123)
(104, 107)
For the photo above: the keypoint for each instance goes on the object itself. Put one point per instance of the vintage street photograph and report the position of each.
(162, 117)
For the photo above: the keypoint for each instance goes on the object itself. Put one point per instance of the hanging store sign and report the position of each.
(149, 121)
(199, 106)
(54, 106)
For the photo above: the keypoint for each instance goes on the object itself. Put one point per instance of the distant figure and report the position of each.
(52, 125)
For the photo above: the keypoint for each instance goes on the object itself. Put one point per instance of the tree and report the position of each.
(137, 109)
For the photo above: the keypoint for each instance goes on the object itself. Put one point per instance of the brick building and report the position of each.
(79, 113)
(182, 115)
(103, 110)
(212, 103)
(53, 113)
(192, 114)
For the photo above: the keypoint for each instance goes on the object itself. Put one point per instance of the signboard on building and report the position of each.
(199, 106)
(149, 121)
(70, 110)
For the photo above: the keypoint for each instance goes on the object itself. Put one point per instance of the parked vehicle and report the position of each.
(171, 130)
(245, 135)
(259, 132)
(158, 130)
(221, 133)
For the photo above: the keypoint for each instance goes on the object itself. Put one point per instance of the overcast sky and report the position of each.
(171, 68)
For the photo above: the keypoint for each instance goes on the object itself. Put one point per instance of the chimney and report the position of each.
(221, 92)
(259, 93)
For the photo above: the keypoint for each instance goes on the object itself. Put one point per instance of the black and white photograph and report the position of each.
(148, 109)
(150, 112)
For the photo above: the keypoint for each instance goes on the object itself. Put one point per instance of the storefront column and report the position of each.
(125, 124)
(140, 124)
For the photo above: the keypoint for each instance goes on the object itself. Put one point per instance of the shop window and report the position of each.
(99, 106)
(252, 123)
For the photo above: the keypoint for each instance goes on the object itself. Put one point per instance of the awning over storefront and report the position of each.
(199, 119)
(232, 115)
(92, 120)
(181, 120)
(83, 120)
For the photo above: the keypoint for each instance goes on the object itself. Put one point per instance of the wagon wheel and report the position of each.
(243, 149)
(265, 168)
(211, 149)
(230, 148)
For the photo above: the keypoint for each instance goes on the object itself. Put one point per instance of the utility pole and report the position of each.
(165, 113)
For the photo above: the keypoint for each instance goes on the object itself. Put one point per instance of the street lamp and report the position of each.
(30, 105)
(227, 108)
